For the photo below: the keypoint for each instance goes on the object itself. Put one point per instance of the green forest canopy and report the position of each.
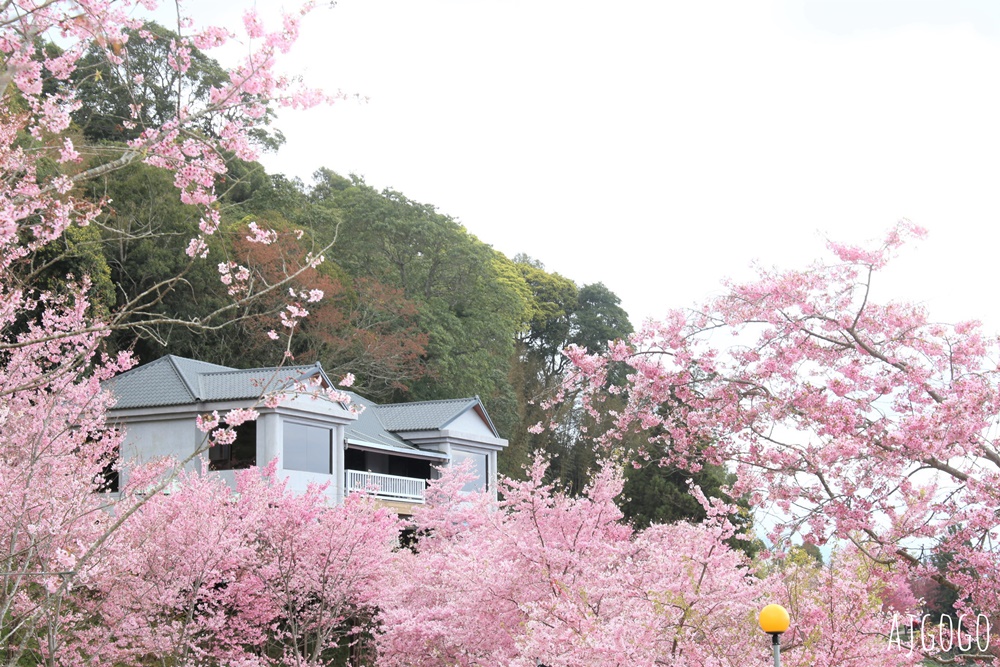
(416, 307)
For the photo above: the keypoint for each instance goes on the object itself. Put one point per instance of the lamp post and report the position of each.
(774, 620)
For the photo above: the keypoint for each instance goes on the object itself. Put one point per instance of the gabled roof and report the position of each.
(173, 380)
(368, 432)
(386, 426)
(369, 428)
(429, 415)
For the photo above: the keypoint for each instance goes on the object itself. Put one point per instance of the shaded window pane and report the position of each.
(479, 468)
(239, 455)
(106, 481)
(400, 466)
(407, 467)
(307, 448)
(354, 459)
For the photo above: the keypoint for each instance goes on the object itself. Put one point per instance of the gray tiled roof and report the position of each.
(251, 383)
(172, 380)
(423, 416)
(369, 428)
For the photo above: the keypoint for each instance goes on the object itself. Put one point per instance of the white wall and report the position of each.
(171, 432)
(470, 422)
(298, 480)
(175, 437)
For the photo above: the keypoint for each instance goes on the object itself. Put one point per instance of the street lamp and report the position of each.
(774, 620)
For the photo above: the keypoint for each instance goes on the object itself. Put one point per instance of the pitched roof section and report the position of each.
(428, 415)
(188, 370)
(369, 428)
(174, 380)
(253, 382)
(160, 382)
(389, 427)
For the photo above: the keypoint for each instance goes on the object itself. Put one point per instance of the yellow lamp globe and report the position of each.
(774, 619)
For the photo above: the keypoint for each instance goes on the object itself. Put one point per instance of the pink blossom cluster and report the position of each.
(56, 447)
(544, 578)
(35, 211)
(259, 235)
(853, 420)
(254, 575)
(236, 278)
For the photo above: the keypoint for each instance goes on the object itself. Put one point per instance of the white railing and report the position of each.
(386, 486)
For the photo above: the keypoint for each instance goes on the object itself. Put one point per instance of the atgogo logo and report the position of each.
(945, 635)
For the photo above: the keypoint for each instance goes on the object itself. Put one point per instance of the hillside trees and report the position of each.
(361, 326)
(144, 88)
(152, 77)
(587, 317)
(561, 314)
(144, 231)
(468, 302)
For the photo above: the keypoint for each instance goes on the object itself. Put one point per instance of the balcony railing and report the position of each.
(386, 486)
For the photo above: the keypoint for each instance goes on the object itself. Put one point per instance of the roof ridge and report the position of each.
(183, 378)
(261, 368)
(436, 400)
(173, 380)
(381, 423)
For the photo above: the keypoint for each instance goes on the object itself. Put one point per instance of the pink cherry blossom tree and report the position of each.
(177, 582)
(323, 568)
(545, 578)
(55, 443)
(854, 420)
(54, 440)
(255, 575)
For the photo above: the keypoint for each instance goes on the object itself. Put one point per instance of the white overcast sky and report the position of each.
(659, 146)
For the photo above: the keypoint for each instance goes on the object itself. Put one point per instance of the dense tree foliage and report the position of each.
(852, 420)
(467, 304)
(560, 314)
(544, 577)
(144, 88)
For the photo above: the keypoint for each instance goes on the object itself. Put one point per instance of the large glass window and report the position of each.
(480, 468)
(106, 481)
(401, 466)
(239, 455)
(308, 448)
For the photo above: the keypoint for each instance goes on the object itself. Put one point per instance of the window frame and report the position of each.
(330, 431)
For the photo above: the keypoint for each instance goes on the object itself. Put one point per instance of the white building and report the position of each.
(390, 450)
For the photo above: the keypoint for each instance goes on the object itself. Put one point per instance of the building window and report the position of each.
(106, 481)
(308, 448)
(480, 468)
(400, 466)
(239, 455)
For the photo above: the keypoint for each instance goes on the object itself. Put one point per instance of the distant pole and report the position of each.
(774, 620)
